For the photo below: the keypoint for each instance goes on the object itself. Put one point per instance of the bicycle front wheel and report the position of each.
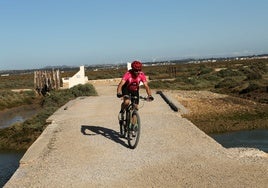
(134, 130)
(123, 127)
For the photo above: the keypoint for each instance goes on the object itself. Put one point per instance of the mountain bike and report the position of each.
(130, 124)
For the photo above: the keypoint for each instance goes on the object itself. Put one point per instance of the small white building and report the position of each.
(78, 78)
(128, 66)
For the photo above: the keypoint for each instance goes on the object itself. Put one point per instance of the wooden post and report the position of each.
(46, 80)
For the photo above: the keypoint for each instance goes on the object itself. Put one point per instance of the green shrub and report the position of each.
(211, 77)
(205, 70)
(259, 67)
(83, 90)
(227, 83)
(251, 87)
(228, 73)
(158, 84)
(192, 81)
(244, 70)
(9, 99)
(254, 76)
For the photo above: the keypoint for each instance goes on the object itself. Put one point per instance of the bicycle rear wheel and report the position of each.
(134, 130)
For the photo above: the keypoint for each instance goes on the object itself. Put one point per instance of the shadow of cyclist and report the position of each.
(107, 133)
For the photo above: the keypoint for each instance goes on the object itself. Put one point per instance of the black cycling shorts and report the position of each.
(125, 91)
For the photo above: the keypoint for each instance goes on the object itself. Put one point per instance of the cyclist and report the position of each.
(130, 85)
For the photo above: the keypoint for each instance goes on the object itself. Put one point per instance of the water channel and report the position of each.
(9, 160)
(252, 139)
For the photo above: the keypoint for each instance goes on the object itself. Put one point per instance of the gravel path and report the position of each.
(81, 148)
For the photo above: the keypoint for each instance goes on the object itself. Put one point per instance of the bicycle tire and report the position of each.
(122, 133)
(133, 140)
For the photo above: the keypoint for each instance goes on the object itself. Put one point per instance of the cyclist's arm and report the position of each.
(120, 85)
(147, 88)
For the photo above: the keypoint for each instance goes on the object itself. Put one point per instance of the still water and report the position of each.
(16, 115)
(9, 162)
(253, 139)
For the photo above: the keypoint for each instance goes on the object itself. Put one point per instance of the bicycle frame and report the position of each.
(131, 118)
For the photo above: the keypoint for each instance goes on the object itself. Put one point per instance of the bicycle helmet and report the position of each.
(136, 65)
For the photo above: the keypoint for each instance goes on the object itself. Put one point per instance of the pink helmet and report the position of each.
(136, 65)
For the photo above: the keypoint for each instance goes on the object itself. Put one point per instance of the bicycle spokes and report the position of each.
(134, 130)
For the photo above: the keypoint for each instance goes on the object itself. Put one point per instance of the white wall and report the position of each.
(78, 78)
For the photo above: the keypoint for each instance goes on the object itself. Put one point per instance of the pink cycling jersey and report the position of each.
(133, 82)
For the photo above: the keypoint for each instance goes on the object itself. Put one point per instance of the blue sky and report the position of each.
(36, 33)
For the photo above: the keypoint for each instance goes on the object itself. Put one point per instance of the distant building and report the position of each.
(78, 78)
(4, 75)
(128, 65)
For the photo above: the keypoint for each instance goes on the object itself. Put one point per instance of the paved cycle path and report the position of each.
(82, 148)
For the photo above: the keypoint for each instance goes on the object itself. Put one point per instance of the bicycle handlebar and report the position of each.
(145, 98)
(135, 98)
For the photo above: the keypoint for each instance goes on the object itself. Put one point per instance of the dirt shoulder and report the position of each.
(213, 112)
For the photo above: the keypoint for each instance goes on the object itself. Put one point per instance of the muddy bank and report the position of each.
(14, 133)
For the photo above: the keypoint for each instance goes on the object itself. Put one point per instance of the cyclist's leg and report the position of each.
(136, 102)
(126, 99)
(124, 104)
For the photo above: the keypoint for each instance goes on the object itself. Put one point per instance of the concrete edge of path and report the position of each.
(172, 98)
(44, 142)
(40, 147)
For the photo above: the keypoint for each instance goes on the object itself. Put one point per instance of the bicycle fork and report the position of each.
(131, 119)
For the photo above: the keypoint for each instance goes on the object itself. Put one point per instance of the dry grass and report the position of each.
(213, 112)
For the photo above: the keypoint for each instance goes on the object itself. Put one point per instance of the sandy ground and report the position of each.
(81, 148)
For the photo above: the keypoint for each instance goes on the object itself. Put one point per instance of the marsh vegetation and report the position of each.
(245, 82)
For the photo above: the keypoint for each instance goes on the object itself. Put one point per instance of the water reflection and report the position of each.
(16, 115)
(253, 139)
(8, 122)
